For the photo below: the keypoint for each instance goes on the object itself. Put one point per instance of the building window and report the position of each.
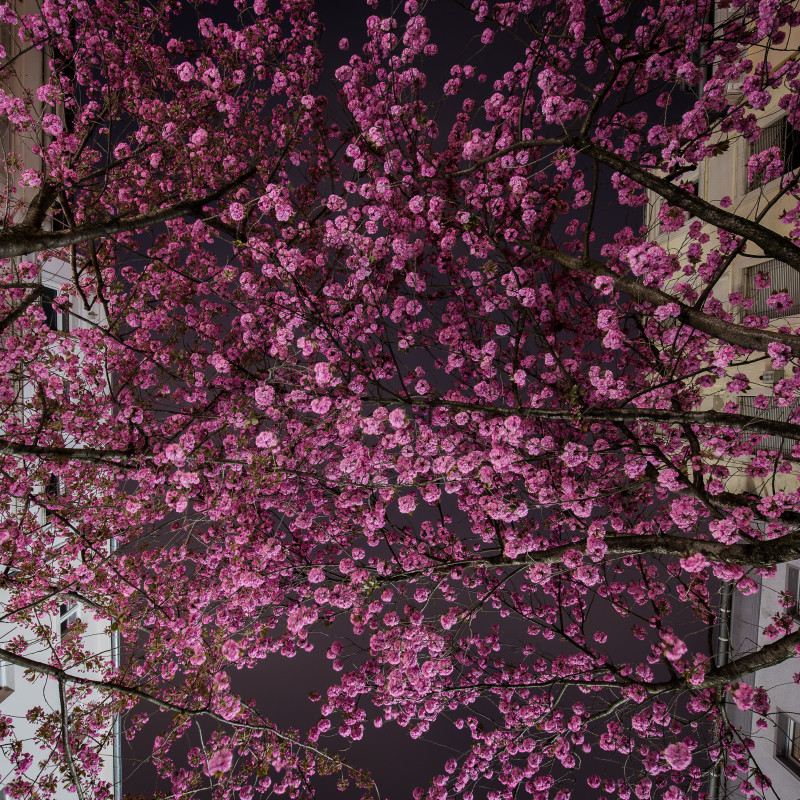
(780, 134)
(787, 745)
(55, 318)
(782, 278)
(748, 407)
(793, 589)
(52, 491)
(6, 680)
(58, 219)
(7, 573)
(68, 616)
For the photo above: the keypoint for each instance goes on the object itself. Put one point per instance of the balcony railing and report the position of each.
(782, 278)
(748, 408)
(782, 135)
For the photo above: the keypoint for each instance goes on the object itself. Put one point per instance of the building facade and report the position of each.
(32, 702)
(726, 181)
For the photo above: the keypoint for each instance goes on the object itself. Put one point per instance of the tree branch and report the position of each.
(62, 676)
(730, 332)
(62, 698)
(767, 656)
(19, 310)
(756, 554)
(771, 242)
(70, 453)
(24, 238)
(757, 425)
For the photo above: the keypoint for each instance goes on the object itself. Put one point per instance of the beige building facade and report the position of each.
(21, 692)
(725, 181)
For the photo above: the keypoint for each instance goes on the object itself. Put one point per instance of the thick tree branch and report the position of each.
(756, 425)
(61, 453)
(24, 238)
(755, 554)
(19, 310)
(771, 242)
(38, 207)
(730, 332)
(767, 656)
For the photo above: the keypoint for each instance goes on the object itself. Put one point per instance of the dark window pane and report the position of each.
(58, 220)
(50, 311)
(55, 319)
(51, 492)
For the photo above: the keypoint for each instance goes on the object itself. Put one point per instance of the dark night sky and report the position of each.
(280, 685)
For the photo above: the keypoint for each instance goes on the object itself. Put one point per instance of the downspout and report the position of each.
(116, 737)
(716, 782)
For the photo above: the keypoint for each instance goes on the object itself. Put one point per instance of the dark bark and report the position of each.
(578, 414)
(19, 310)
(767, 656)
(754, 554)
(730, 332)
(61, 453)
(24, 238)
(771, 242)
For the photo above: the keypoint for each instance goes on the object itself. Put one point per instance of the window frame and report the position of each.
(787, 741)
(7, 683)
(793, 588)
(67, 617)
(52, 491)
(55, 318)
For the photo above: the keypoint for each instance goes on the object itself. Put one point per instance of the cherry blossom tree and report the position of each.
(388, 364)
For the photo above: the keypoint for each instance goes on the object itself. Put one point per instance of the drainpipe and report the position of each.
(116, 737)
(716, 783)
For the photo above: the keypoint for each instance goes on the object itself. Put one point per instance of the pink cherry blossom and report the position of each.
(311, 352)
(407, 503)
(397, 418)
(199, 137)
(219, 762)
(694, 563)
(674, 648)
(743, 696)
(230, 649)
(678, 755)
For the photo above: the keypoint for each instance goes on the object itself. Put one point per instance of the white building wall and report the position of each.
(31, 691)
(20, 693)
